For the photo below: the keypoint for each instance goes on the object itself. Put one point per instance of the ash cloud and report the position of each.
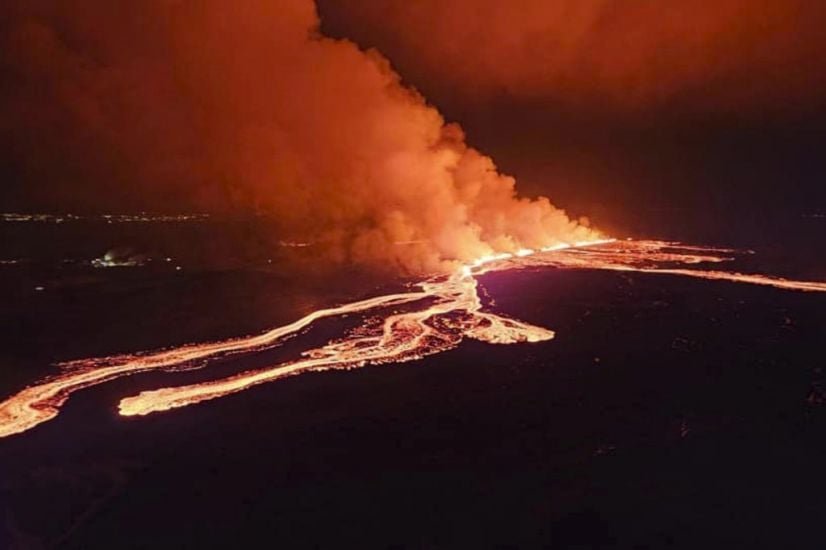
(247, 107)
(604, 55)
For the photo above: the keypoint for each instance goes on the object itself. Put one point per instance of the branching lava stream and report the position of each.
(437, 317)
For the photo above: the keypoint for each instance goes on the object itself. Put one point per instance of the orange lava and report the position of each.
(41, 402)
(663, 258)
(431, 320)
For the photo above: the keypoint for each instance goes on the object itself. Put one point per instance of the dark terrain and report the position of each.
(667, 413)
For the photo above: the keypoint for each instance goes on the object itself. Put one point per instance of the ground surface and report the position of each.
(667, 413)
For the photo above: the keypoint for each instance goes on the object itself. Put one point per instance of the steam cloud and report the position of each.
(609, 54)
(245, 105)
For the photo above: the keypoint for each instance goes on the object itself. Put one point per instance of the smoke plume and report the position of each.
(718, 55)
(246, 106)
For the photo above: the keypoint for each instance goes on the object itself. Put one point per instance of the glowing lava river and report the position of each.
(433, 318)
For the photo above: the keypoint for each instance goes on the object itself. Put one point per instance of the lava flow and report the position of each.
(435, 318)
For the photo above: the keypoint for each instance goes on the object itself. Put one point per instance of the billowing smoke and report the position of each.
(245, 106)
(718, 55)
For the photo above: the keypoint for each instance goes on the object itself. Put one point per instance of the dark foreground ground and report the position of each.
(667, 413)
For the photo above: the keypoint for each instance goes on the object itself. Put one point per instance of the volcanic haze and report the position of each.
(247, 107)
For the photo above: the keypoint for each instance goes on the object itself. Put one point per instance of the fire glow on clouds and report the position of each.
(248, 105)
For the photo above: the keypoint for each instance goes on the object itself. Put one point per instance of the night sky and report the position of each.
(707, 106)
(615, 111)
(615, 210)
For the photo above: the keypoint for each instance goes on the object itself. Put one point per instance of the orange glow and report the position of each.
(42, 402)
(320, 136)
(433, 319)
(663, 258)
(603, 53)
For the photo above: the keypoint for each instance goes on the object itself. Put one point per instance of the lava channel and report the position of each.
(443, 311)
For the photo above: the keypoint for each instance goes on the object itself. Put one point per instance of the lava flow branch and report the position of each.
(435, 318)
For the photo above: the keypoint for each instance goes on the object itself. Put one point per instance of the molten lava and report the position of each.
(435, 318)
